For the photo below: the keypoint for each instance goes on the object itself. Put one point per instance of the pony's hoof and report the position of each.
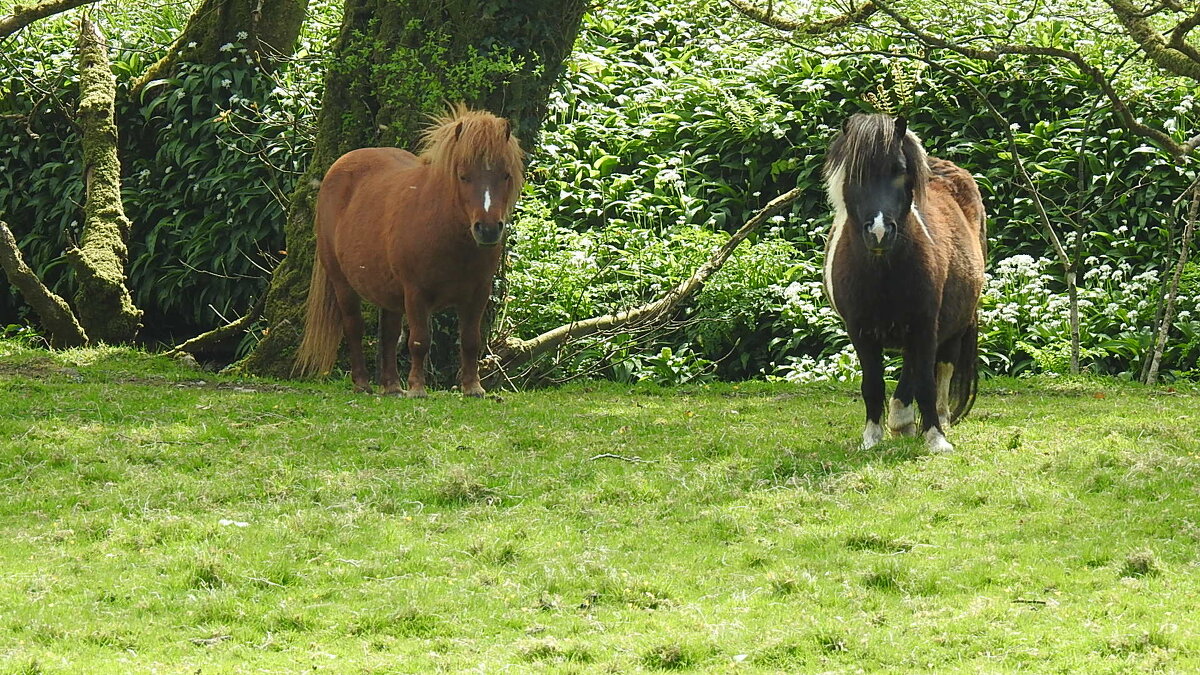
(363, 389)
(909, 429)
(936, 443)
(392, 390)
(416, 393)
(474, 392)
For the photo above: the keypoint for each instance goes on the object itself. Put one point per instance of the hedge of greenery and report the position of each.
(675, 122)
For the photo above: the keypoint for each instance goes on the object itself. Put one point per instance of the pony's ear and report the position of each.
(508, 128)
(458, 130)
(901, 127)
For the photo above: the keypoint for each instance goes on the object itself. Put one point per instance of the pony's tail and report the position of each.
(322, 327)
(965, 380)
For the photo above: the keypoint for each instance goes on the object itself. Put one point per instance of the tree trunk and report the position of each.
(267, 28)
(57, 318)
(396, 62)
(105, 307)
(23, 15)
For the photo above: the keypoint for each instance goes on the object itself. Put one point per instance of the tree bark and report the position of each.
(23, 15)
(269, 27)
(105, 307)
(57, 318)
(396, 62)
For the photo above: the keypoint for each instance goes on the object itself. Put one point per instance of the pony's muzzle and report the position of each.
(879, 234)
(488, 234)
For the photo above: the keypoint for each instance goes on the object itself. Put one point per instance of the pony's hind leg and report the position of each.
(902, 414)
(417, 312)
(350, 306)
(870, 355)
(389, 338)
(947, 356)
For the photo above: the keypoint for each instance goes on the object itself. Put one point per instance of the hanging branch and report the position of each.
(23, 15)
(515, 352)
(57, 318)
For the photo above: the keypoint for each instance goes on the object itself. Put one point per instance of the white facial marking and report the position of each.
(921, 220)
(872, 434)
(833, 190)
(877, 227)
(936, 442)
(902, 418)
(487, 200)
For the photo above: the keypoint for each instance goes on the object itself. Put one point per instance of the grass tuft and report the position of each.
(1140, 564)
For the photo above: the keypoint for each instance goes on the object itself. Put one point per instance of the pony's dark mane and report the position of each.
(463, 136)
(868, 142)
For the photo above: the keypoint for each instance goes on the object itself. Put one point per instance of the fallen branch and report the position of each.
(515, 352)
(609, 455)
(222, 333)
(57, 318)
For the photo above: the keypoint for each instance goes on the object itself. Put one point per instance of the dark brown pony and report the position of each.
(904, 268)
(412, 235)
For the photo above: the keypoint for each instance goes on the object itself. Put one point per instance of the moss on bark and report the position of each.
(267, 28)
(395, 63)
(102, 300)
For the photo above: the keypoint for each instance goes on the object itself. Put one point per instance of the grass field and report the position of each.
(160, 520)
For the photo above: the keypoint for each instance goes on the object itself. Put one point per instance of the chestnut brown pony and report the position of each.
(412, 235)
(904, 269)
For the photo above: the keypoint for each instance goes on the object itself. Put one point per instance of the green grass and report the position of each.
(594, 528)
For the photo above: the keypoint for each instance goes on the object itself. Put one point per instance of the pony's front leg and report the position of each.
(389, 338)
(470, 339)
(920, 355)
(418, 345)
(870, 355)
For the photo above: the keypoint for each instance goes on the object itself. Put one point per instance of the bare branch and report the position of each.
(515, 351)
(23, 15)
(995, 52)
(1169, 57)
(768, 17)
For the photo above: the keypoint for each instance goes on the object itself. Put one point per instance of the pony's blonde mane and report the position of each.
(867, 141)
(462, 137)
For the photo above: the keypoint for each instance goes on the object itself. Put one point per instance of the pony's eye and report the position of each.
(464, 179)
(507, 176)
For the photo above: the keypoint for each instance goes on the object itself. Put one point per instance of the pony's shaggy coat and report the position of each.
(921, 294)
(412, 235)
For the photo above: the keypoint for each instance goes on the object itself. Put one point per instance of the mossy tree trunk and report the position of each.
(102, 299)
(396, 62)
(267, 28)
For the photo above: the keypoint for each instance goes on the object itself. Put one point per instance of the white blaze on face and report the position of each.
(487, 200)
(877, 228)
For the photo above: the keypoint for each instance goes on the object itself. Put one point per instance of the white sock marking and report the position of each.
(872, 434)
(902, 418)
(944, 372)
(936, 442)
